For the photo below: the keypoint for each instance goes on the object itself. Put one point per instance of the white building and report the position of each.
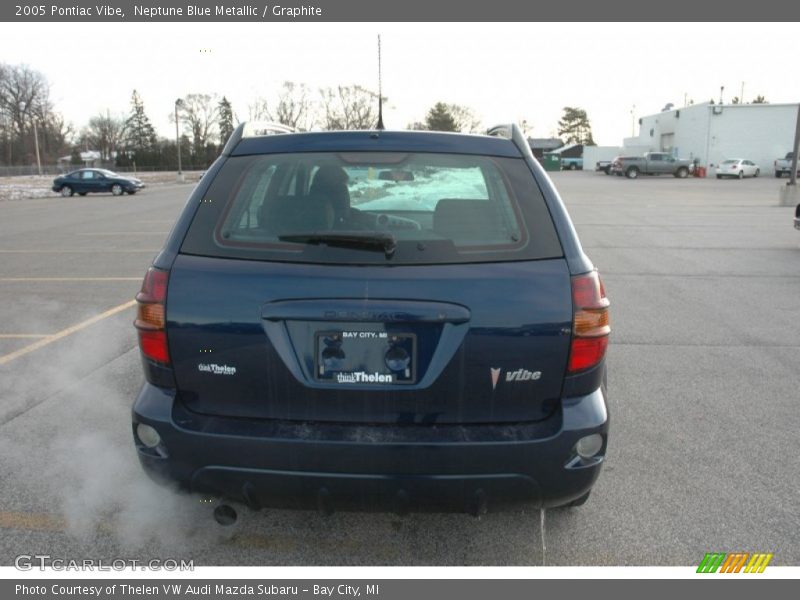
(713, 132)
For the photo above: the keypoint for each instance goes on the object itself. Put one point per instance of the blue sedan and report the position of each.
(85, 181)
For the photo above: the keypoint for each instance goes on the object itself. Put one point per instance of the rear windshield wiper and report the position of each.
(367, 240)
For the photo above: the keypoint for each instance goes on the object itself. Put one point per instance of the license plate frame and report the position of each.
(361, 357)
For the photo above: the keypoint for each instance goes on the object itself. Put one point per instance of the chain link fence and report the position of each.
(55, 170)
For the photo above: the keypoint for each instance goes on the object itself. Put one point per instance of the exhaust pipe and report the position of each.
(225, 515)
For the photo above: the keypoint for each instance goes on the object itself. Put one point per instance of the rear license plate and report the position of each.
(365, 357)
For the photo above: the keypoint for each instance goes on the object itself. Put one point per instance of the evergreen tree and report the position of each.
(140, 134)
(440, 118)
(575, 126)
(225, 117)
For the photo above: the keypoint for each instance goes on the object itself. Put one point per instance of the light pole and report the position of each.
(36, 145)
(793, 175)
(22, 107)
(178, 103)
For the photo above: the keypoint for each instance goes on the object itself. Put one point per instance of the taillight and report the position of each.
(151, 318)
(591, 324)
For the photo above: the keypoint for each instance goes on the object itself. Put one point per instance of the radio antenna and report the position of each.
(380, 126)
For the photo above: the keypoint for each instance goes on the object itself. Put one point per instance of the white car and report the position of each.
(738, 167)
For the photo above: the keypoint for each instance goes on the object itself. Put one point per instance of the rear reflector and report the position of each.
(586, 353)
(591, 322)
(151, 318)
(154, 345)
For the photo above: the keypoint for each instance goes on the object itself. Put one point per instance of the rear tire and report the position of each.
(758, 172)
(572, 167)
(632, 173)
(719, 176)
(66, 191)
(117, 190)
(778, 174)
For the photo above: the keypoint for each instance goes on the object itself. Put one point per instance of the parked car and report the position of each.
(652, 163)
(571, 164)
(737, 167)
(90, 181)
(374, 320)
(604, 166)
(783, 166)
(797, 217)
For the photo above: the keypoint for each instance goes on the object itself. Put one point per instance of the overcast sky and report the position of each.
(503, 71)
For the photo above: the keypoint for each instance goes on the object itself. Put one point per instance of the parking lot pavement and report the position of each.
(704, 280)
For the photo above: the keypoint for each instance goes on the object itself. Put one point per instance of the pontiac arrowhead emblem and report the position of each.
(495, 377)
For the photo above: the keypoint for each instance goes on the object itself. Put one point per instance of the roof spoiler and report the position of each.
(511, 131)
(250, 129)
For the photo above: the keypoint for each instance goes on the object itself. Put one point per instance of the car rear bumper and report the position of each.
(396, 467)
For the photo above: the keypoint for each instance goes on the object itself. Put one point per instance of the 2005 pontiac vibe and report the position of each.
(374, 320)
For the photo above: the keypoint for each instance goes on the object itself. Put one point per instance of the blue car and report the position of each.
(374, 320)
(93, 181)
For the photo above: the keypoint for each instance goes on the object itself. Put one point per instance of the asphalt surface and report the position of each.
(704, 371)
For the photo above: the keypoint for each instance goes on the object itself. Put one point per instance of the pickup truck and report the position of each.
(571, 164)
(784, 165)
(652, 163)
(604, 166)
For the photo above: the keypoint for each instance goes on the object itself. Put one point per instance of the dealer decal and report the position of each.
(362, 377)
(216, 369)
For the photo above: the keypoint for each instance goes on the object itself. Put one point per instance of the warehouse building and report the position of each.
(711, 133)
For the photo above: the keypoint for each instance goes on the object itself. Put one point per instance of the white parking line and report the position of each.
(107, 233)
(91, 251)
(22, 336)
(46, 279)
(7, 358)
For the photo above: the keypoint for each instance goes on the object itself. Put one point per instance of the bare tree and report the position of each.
(349, 107)
(56, 136)
(292, 107)
(105, 133)
(465, 118)
(24, 96)
(198, 114)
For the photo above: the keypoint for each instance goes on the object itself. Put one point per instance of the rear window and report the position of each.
(332, 207)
